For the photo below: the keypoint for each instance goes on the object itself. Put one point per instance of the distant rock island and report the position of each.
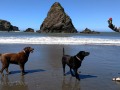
(29, 30)
(6, 26)
(88, 31)
(57, 21)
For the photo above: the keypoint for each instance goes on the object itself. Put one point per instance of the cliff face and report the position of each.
(57, 21)
(6, 26)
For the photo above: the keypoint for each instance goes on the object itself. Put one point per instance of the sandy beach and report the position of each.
(45, 69)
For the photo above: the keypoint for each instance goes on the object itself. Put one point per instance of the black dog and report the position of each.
(74, 62)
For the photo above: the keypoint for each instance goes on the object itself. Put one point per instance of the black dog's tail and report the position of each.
(63, 51)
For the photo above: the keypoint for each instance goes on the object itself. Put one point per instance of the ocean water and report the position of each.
(108, 38)
(44, 66)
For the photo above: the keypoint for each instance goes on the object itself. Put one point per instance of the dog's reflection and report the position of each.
(70, 84)
(6, 84)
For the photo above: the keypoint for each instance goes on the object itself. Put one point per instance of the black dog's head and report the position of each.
(28, 49)
(82, 54)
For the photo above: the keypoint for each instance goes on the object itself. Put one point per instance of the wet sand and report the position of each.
(44, 68)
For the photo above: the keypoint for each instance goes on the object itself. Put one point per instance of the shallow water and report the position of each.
(45, 69)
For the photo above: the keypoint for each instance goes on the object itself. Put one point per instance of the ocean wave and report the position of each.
(58, 40)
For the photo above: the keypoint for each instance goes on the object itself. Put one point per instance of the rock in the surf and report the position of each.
(57, 21)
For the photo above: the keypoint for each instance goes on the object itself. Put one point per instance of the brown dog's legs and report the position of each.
(22, 69)
(7, 70)
(3, 67)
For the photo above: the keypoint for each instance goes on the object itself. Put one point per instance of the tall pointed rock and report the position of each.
(57, 21)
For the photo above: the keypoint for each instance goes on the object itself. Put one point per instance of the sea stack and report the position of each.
(7, 26)
(57, 21)
(29, 30)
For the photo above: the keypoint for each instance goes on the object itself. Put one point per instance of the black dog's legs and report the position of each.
(63, 68)
(71, 72)
(76, 74)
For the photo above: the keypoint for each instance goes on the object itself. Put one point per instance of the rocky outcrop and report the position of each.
(15, 28)
(57, 21)
(29, 30)
(88, 31)
(6, 26)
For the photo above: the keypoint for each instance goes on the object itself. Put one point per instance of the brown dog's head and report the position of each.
(28, 49)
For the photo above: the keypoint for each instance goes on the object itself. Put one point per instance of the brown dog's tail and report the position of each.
(0, 56)
(63, 51)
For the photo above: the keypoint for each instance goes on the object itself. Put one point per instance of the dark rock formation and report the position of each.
(15, 28)
(38, 31)
(88, 31)
(57, 21)
(29, 30)
(6, 26)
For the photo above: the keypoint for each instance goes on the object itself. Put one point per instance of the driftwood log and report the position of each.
(113, 27)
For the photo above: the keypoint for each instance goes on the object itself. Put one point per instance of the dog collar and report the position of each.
(24, 51)
(78, 58)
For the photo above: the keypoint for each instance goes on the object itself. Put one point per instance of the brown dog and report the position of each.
(19, 58)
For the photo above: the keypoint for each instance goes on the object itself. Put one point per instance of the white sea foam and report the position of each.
(58, 40)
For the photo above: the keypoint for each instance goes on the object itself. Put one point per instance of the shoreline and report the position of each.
(27, 44)
(45, 69)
